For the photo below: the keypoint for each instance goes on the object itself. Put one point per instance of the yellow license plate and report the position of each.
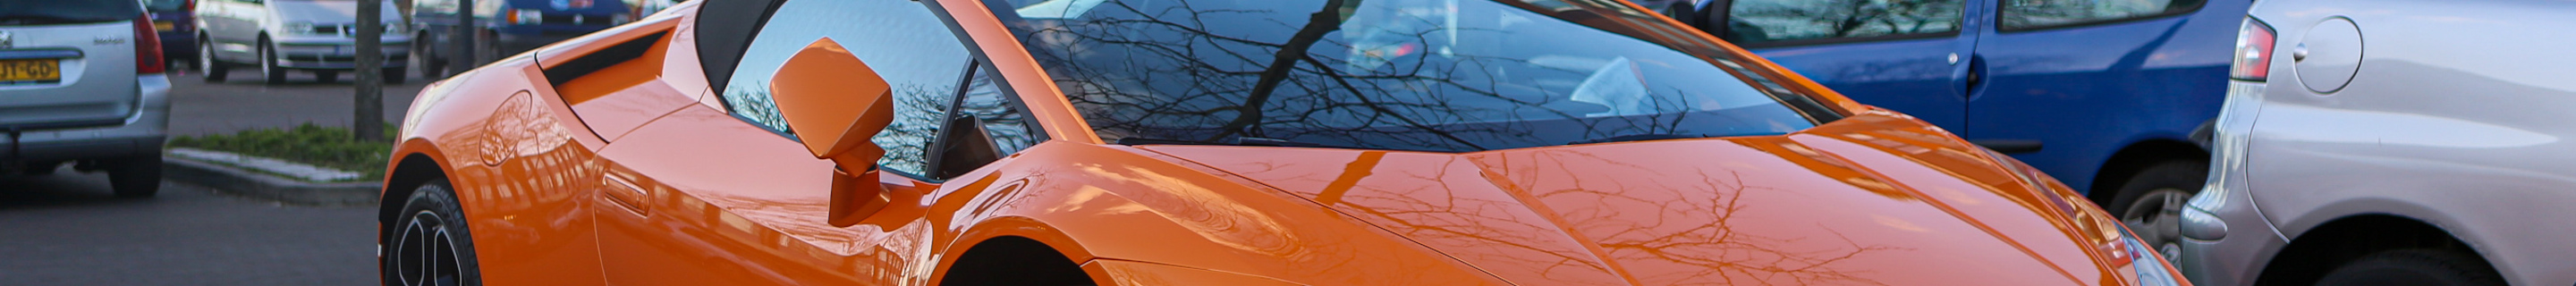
(43, 70)
(161, 25)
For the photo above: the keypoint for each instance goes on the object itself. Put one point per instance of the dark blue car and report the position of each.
(176, 20)
(505, 27)
(2108, 96)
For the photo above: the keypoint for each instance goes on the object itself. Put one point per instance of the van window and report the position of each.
(1756, 21)
(2035, 14)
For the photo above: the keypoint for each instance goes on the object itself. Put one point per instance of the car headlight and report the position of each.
(397, 28)
(2151, 271)
(299, 28)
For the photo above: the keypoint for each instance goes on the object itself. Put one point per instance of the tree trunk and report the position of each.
(369, 124)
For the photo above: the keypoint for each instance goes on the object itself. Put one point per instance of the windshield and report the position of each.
(1424, 75)
(45, 12)
(166, 5)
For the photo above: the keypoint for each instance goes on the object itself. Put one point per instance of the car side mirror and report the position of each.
(836, 104)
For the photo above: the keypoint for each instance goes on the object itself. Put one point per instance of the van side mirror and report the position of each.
(836, 104)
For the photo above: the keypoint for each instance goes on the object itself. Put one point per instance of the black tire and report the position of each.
(326, 76)
(2414, 267)
(2150, 202)
(428, 242)
(213, 70)
(136, 177)
(268, 64)
(42, 168)
(424, 55)
(396, 75)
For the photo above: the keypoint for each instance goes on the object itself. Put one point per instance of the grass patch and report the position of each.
(332, 147)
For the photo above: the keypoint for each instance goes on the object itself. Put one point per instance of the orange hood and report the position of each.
(1847, 203)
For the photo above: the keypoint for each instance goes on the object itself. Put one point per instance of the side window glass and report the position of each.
(901, 39)
(2030, 14)
(1009, 128)
(1756, 21)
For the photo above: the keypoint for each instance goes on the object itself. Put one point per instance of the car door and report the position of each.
(2076, 80)
(1907, 55)
(241, 29)
(727, 195)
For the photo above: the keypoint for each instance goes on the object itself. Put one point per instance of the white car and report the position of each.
(276, 36)
(81, 82)
(2383, 142)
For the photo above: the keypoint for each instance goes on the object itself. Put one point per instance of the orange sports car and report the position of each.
(1205, 142)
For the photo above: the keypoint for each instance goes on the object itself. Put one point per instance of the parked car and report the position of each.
(81, 82)
(2429, 146)
(1309, 142)
(176, 21)
(2110, 96)
(277, 36)
(506, 27)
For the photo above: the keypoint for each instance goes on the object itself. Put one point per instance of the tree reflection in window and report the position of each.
(1430, 75)
(1780, 20)
(915, 53)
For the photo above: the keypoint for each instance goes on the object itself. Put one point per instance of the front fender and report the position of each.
(1121, 203)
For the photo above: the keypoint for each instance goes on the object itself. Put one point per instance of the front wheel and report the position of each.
(429, 243)
(213, 70)
(2150, 203)
(425, 58)
(268, 64)
(2414, 267)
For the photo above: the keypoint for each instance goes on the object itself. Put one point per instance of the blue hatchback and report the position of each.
(2107, 96)
(505, 27)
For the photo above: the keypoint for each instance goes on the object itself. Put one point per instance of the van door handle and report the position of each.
(1976, 73)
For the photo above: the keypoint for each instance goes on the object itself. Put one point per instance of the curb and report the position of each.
(235, 181)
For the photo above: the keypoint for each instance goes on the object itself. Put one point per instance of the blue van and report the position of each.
(2112, 97)
(504, 27)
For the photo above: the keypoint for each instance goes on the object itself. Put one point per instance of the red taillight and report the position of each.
(2253, 51)
(189, 6)
(147, 46)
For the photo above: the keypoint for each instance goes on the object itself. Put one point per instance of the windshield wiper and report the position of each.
(1638, 137)
(1231, 141)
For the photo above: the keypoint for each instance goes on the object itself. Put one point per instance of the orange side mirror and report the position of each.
(836, 104)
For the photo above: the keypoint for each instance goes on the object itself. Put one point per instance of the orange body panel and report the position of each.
(616, 178)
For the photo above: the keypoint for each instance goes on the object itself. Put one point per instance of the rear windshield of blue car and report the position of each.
(166, 5)
(48, 12)
(1421, 75)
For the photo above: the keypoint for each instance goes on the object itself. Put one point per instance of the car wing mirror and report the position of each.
(836, 104)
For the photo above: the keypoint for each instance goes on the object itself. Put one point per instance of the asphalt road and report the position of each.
(198, 107)
(65, 229)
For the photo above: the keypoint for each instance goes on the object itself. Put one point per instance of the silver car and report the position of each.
(81, 82)
(2387, 142)
(273, 37)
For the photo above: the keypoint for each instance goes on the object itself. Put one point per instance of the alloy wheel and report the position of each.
(424, 253)
(2156, 217)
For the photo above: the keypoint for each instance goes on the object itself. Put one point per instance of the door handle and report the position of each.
(625, 193)
(1976, 72)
